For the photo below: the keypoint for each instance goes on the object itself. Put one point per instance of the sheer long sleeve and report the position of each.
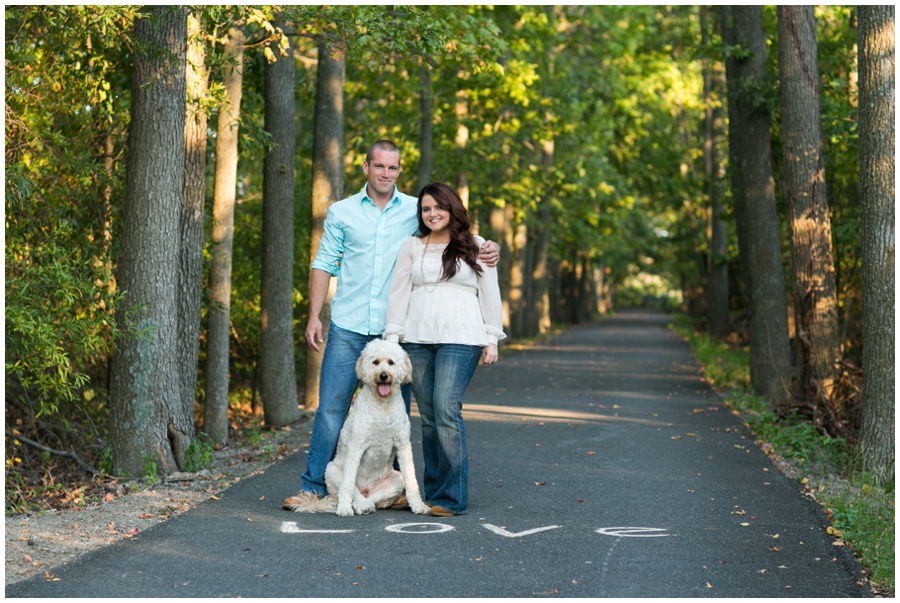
(491, 304)
(401, 287)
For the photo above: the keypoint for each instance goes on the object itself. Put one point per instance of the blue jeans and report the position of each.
(337, 384)
(441, 374)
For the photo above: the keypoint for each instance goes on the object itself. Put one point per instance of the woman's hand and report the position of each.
(489, 353)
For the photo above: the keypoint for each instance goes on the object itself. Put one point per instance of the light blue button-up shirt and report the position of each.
(359, 247)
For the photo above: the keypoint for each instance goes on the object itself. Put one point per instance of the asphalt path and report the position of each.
(602, 465)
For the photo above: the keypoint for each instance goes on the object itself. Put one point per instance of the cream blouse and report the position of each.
(464, 309)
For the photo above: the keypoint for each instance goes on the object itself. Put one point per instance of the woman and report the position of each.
(445, 309)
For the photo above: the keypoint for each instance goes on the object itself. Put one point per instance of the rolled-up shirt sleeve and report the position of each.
(331, 247)
(491, 304)
(398, 298)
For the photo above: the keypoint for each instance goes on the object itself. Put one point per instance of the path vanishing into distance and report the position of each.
(602, 465)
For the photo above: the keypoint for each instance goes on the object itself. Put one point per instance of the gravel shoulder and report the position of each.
(36, 543)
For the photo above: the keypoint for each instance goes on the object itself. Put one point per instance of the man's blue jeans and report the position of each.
(441, 374)
(337, 384)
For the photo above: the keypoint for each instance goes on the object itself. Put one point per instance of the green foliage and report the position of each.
(199, 453)
(151, 471)
(726, 366)
(106, 461)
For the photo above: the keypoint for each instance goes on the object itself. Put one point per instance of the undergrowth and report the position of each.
(861, 511)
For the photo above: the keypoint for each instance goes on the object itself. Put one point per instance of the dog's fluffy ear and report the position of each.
(408, 376)
(360, 373)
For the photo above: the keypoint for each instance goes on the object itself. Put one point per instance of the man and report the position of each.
(362, 237)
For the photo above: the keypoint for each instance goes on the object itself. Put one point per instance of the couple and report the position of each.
(436, 293)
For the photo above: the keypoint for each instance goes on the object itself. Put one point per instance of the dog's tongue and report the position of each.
(384, 390)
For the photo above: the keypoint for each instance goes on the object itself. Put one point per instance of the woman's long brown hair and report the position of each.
(462, 243)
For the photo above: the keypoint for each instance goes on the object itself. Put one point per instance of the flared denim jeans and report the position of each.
(441, 374)
(337, 384)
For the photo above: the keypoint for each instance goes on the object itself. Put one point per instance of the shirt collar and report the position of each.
(365, 196)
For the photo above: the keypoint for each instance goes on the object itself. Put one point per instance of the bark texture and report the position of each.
(876, 182)
(276, 349)
(752, 152)
(717, 302)
(538, 319)
(190, 276)
(147, 423)
(218, 317)
(426, 116)
(327, 183)
(816, 344)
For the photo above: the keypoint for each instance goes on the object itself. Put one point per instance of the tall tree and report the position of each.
(426, 115)
(190, 276)
(538, 320)
(717, 303)
(218, 331)
(276, 348)
(327, 180)
(147, 420)
(816, 344)
(876, 180)
(751, 149)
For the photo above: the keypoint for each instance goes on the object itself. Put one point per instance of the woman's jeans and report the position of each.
(337, 384)
(441, 374)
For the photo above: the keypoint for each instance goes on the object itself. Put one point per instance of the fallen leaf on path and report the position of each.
(676, 437)
(834, 531)
(838, 543)
(590, 452)
(708, 585)
(775, 549)
(745, 524)
(690, 435)
(27, 559)
(262, 498)
(216, 497)
(145, 516)
(539, 483)
(699, 410)
(741, 512)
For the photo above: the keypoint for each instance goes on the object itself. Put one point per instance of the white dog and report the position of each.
(376, 430)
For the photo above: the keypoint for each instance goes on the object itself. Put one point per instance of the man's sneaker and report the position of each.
(302, 499)
(400, 502)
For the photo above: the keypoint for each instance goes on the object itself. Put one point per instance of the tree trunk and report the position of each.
(816, 344)
(426, 113)
(499, 233)
(876, 182)
(146, 423)
(462, 137)
(741, 285)
(717, 233)
(517, 302)
(218, 317)
(327, 183)
(538, 323)
(190, 277)
(276, 350)
(752, 150)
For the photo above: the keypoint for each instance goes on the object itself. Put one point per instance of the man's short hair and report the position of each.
(382, 145)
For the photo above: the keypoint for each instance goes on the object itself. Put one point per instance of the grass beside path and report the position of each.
(861, 511)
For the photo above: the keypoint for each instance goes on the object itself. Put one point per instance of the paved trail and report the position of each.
(594, 473)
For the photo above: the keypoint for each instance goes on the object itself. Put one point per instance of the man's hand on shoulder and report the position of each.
(489, 254)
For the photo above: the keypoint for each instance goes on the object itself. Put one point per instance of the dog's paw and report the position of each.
(364, 507)
(419, 509)
(344, 511)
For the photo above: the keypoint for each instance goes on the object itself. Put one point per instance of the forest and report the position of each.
(168, 170)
